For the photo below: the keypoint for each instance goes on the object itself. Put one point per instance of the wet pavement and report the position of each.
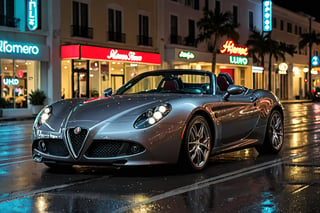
(240, 181)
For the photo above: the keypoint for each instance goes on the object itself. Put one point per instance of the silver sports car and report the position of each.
(159, 117)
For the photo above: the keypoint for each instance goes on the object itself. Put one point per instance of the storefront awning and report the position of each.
(102, 53)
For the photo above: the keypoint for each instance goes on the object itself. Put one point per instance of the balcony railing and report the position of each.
(81, 31)
(190, 41)
(117, 37)
(175, 39)
(144, 40)
(9, 21)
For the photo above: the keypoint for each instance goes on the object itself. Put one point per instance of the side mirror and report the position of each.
(233, 90)
(107, 92)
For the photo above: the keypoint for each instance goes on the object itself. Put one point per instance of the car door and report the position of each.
(237, 116)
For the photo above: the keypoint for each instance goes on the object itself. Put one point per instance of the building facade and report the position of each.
(106, 43)
(26, 40)
(78, 48)
(179, 32)
(288, 27)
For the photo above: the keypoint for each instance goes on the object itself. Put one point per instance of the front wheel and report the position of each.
(274, 135)
(196, 146)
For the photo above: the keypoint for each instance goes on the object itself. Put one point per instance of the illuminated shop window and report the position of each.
(18, 78)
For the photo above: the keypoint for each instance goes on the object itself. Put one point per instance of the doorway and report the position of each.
(283, 86)
(116, 82)
(80, 79)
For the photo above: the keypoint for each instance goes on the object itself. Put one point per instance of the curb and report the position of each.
(296, 101)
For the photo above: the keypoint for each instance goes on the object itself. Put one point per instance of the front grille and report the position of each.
(77, 140)
(51, 146)
(109, 148)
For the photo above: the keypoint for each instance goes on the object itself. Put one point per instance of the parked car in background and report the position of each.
(316, 94)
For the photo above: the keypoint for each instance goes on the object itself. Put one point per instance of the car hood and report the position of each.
(116, 108)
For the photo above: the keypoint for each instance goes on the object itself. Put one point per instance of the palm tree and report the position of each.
(276, 52)
(309, 39)
(288, 48)
(260, 44)
(214, 25)
(258, 47)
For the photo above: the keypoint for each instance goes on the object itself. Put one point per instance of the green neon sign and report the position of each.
(187, 55)
(238, 60)
(32, 14)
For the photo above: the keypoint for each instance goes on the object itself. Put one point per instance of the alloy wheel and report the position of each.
(198, 142)
(276, 131)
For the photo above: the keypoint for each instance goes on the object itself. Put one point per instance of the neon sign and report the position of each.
(101, 53)
(256, 69)
(267, 15)
(283, 67)
(6, 47)
(315, 60)
(187, 55)
(238, 60)
(32, 14)
(20, 73)
(230, 48)
(130, 56)
(10, 81)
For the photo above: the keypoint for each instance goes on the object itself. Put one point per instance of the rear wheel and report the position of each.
(274, 135)
(196, 147)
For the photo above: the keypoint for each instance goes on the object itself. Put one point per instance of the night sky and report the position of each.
(309, 7)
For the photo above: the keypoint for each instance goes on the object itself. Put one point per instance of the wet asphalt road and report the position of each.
(240, 181)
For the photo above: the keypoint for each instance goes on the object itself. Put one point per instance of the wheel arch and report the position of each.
(265, 146)
(206, 116)
(182, 159)
(278, 108)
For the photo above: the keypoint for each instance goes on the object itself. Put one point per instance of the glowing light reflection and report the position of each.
(18, 205)
(295, 139)
(267, 203)
(41, 203)
(295, 121)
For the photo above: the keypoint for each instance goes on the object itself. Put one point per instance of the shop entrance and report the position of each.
(116, 82)
(80, 79)
(229, 71)
(283, 87)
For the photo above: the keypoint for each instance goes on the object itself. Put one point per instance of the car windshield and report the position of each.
(189, 83)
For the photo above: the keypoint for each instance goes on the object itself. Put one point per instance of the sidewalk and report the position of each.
(295, 101)
(32, 117)
(17, 118)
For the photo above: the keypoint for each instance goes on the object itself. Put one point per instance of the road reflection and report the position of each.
(241, 181)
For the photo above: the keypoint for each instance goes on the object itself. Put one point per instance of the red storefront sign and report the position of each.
(101, 53)
(230, 48)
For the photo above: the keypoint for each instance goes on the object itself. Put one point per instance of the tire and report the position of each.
(274, 135)
(196, 145)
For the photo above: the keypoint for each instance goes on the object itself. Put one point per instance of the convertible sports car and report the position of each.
(159, 117)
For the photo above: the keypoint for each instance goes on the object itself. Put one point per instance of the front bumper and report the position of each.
(119, 147)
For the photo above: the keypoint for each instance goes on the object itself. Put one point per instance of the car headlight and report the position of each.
(152, 116)
(44, 115)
